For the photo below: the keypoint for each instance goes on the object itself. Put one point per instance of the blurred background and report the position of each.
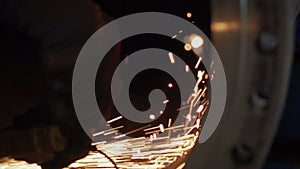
(258, 43)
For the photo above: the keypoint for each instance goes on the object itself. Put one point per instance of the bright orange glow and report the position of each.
(224, 26)
(220, 26)
(189, 15)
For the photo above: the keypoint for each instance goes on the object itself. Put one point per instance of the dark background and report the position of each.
(22, 82)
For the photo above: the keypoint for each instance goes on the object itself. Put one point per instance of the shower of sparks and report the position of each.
(154, 152)
(158, 150)
(171, 57)
(198, 97)
(164, 145)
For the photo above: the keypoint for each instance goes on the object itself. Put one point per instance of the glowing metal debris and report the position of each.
(164, 145)
(198, 62)
(187, 68)
(187, 47)
(115, 119)
(189, 15)
(171, 56)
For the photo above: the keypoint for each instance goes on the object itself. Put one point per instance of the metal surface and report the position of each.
(255, 42)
